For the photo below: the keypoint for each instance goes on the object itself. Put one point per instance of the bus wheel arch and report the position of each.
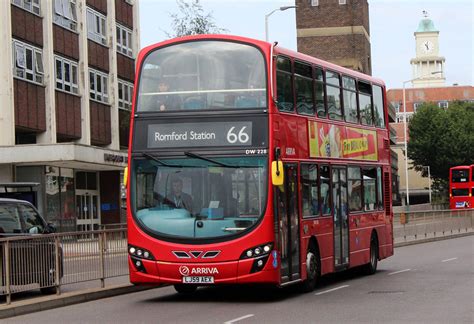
(313, 265)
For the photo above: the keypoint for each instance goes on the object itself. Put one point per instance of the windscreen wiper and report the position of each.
(151, 157)
(193, 155)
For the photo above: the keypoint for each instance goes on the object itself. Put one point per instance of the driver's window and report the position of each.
(33, 222)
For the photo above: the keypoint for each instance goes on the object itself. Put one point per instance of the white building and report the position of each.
(67, 71)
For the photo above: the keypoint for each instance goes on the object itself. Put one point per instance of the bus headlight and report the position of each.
(140, 253)
(257, 251)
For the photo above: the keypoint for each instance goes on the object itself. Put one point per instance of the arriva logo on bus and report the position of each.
(202, 271)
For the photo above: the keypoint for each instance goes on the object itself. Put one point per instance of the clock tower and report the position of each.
(427, 66)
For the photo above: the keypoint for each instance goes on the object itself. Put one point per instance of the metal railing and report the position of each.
(51, 261)
(408, 226)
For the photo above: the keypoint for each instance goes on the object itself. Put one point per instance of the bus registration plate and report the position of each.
(198, 280)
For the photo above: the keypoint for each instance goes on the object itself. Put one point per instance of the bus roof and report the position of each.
(328, 65)
(461, 167)
(265, 46)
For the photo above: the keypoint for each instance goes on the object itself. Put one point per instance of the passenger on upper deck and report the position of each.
(166, 101)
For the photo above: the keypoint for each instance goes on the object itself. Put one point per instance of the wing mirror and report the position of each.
(277, 169)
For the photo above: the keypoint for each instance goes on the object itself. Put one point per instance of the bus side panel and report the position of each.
(324, 229)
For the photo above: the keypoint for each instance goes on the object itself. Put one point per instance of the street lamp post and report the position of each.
(270, 13)
(405, 134)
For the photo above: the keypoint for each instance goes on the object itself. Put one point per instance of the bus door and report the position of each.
(340, 216)
(288, 224)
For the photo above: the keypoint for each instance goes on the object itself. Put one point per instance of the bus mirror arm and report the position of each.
(277, 159)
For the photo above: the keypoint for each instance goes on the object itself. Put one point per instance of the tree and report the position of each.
(441, 139)
(192, 20)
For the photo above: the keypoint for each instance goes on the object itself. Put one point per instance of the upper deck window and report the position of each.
(319, 92)
(378, 107)
(201, 75)
(350, 99)
(284, 84)
(365, 103)
(333, 91)
(304, 89)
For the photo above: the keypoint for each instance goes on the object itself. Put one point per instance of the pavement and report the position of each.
(120, 287)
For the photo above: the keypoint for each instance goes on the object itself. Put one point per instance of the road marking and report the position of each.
(239, 319)
(405, 270)
(330, 290)
(447, 260)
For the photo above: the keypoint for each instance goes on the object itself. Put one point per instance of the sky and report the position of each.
(392, 24)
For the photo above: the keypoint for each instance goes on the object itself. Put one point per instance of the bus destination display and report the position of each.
(236, 133)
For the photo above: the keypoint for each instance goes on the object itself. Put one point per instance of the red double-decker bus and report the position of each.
(250, 163)
(461, 187)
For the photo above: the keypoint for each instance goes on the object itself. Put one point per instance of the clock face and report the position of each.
(427, 47)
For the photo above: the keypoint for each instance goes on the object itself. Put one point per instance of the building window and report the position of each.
(65, 13)
(443, 104)
(28, 62)
(98, 83)
(416, 106)
(125, 92)
(396, 105)
(66, 75)
(124, 40)
(32, 6)
(399, 118)
(96, 29)
(315, 3)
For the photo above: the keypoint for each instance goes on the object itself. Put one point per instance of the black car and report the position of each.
(33, 258)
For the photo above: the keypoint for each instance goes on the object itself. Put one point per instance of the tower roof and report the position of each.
(426, 25)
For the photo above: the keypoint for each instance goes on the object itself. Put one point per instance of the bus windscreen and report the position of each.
(460, 175)
(202, 75)
(199, 198)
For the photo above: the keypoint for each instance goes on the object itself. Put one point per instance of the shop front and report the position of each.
(79, 190)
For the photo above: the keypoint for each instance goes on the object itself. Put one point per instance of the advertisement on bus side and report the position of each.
(335, 141)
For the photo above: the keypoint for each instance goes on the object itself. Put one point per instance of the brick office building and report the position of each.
(67, 71)
(336, 31)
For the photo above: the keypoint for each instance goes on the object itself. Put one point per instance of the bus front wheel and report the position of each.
(185, 289)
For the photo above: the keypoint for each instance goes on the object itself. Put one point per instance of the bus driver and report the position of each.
(179, 198)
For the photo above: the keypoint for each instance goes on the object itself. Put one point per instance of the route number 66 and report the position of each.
(242, 136)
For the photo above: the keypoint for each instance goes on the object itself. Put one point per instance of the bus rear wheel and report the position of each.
(313, 269)
(371, 267)
(185, 289)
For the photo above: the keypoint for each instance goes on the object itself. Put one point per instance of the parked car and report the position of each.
(33, 258)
